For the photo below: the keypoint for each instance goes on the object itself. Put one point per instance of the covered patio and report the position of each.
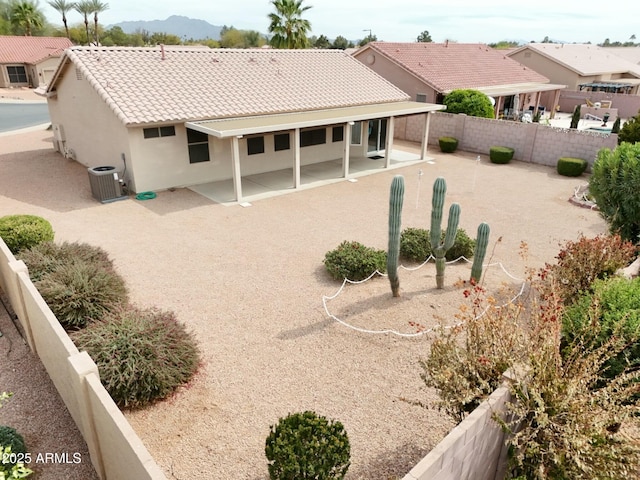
(361, 153)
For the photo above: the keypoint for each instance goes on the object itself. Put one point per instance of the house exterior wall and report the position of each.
(555, 72)
(44, 71)
(398, 76)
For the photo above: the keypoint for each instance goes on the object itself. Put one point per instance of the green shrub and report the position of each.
(354, 261)
(616, 126)
(615, 185)
(78, 293)
(571, 167)
(612, 309)
(500, 154)
(307, 446)
(12, 471)
(630, 131)
(44, 258)
(142, 355)
(582, 262)
(9, 437)
(471, 102)
(415, 245)
(448, 144)
(20, 232)
(575, 117)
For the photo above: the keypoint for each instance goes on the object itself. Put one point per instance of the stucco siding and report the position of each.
(556, 72)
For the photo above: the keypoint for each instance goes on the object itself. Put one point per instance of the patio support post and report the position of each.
(347, 149)
(538, 95)
(425, 136)
(496, 109)
(235, 160)
(388, 143)
(556, 101)
(296, 158)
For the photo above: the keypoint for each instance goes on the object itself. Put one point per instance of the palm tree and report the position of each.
(288, 27)
(97, 7)
(26, 15)
(85, 8)
(62, 7)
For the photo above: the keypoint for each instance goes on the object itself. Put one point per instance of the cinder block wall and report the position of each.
(474, 450)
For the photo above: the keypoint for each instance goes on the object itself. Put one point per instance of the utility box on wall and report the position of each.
(105, 184)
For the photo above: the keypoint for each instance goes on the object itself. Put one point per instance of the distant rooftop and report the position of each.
(31, 50)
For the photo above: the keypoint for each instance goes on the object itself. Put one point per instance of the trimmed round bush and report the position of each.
(448, 144)
(415, 245)
(354, 261)
(307, 446)
(80, 292)
(470, 102)
(571, 167)
(500, 154)
(20, 232)
(9, 437)
(142, 355)
(44, 258)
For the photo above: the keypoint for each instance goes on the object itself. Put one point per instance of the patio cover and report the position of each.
(515, 89)
(233, 127)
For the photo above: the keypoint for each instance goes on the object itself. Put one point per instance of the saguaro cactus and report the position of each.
(439, 247)
(482, 240)
(396, 197)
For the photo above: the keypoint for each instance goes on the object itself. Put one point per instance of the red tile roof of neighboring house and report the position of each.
(451, 66)
(145, 85)
(31, 50)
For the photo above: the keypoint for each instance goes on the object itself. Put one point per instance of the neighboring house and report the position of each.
(427, 72)
(171, 118)
(27, 61)
(630, 54)
(581, 66)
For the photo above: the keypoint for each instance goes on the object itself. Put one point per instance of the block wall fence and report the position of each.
(115, 449)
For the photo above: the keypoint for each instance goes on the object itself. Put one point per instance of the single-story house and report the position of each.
(581, 66)
(429, 71)
(27, 61)
(171, 117)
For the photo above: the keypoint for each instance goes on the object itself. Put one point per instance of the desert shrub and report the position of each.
(448, 144)
(613, 308)
(354, 261)
(471, 102)
(559, 425)
(615, 186)
(616, 126)
(20, 232)
(9, 470)
(582, 262)
(415, 245)
(44, 258)
(142, 355)
(500, 154)
(571, 167)
(9, 437)
(630, 131)
(575, 117)
(81, 292)
(307, 446)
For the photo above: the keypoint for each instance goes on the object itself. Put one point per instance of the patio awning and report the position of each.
(611, 84)
(232, 127)
(517, 88)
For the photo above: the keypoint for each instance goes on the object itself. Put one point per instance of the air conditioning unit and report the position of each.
(105, 184)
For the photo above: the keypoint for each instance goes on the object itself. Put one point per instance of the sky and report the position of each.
(464, 21)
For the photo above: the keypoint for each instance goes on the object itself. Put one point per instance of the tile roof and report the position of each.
(450, 66)
(31, 50)
(147, 85)
(584, 58)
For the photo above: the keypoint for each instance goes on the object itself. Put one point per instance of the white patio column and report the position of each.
(347, 149)
(556, 101)
(296, 158)
(235, 160)
(388, 143)
(425, 136)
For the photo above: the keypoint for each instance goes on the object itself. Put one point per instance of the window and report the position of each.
(17, 74)
(421, 97)
(198, 146)
(255, 145)
(313, 137)
(155, 132)
(356, 133)
(281, 142)
(337, 134)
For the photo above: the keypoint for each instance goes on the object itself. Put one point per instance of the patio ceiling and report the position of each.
(232, 127)
(515, 89)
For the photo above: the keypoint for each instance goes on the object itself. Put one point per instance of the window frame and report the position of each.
(278, 144)
(255, 145)
(196, 146)
(313, 137)
(16, 77)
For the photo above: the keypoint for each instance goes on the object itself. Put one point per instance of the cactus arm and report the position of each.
(437, 204)
(396, 196)
(482, 240)
(452, 226)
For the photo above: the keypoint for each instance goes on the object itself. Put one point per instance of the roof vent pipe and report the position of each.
(162, 50)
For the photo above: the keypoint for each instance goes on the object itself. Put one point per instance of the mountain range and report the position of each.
(183, 27)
